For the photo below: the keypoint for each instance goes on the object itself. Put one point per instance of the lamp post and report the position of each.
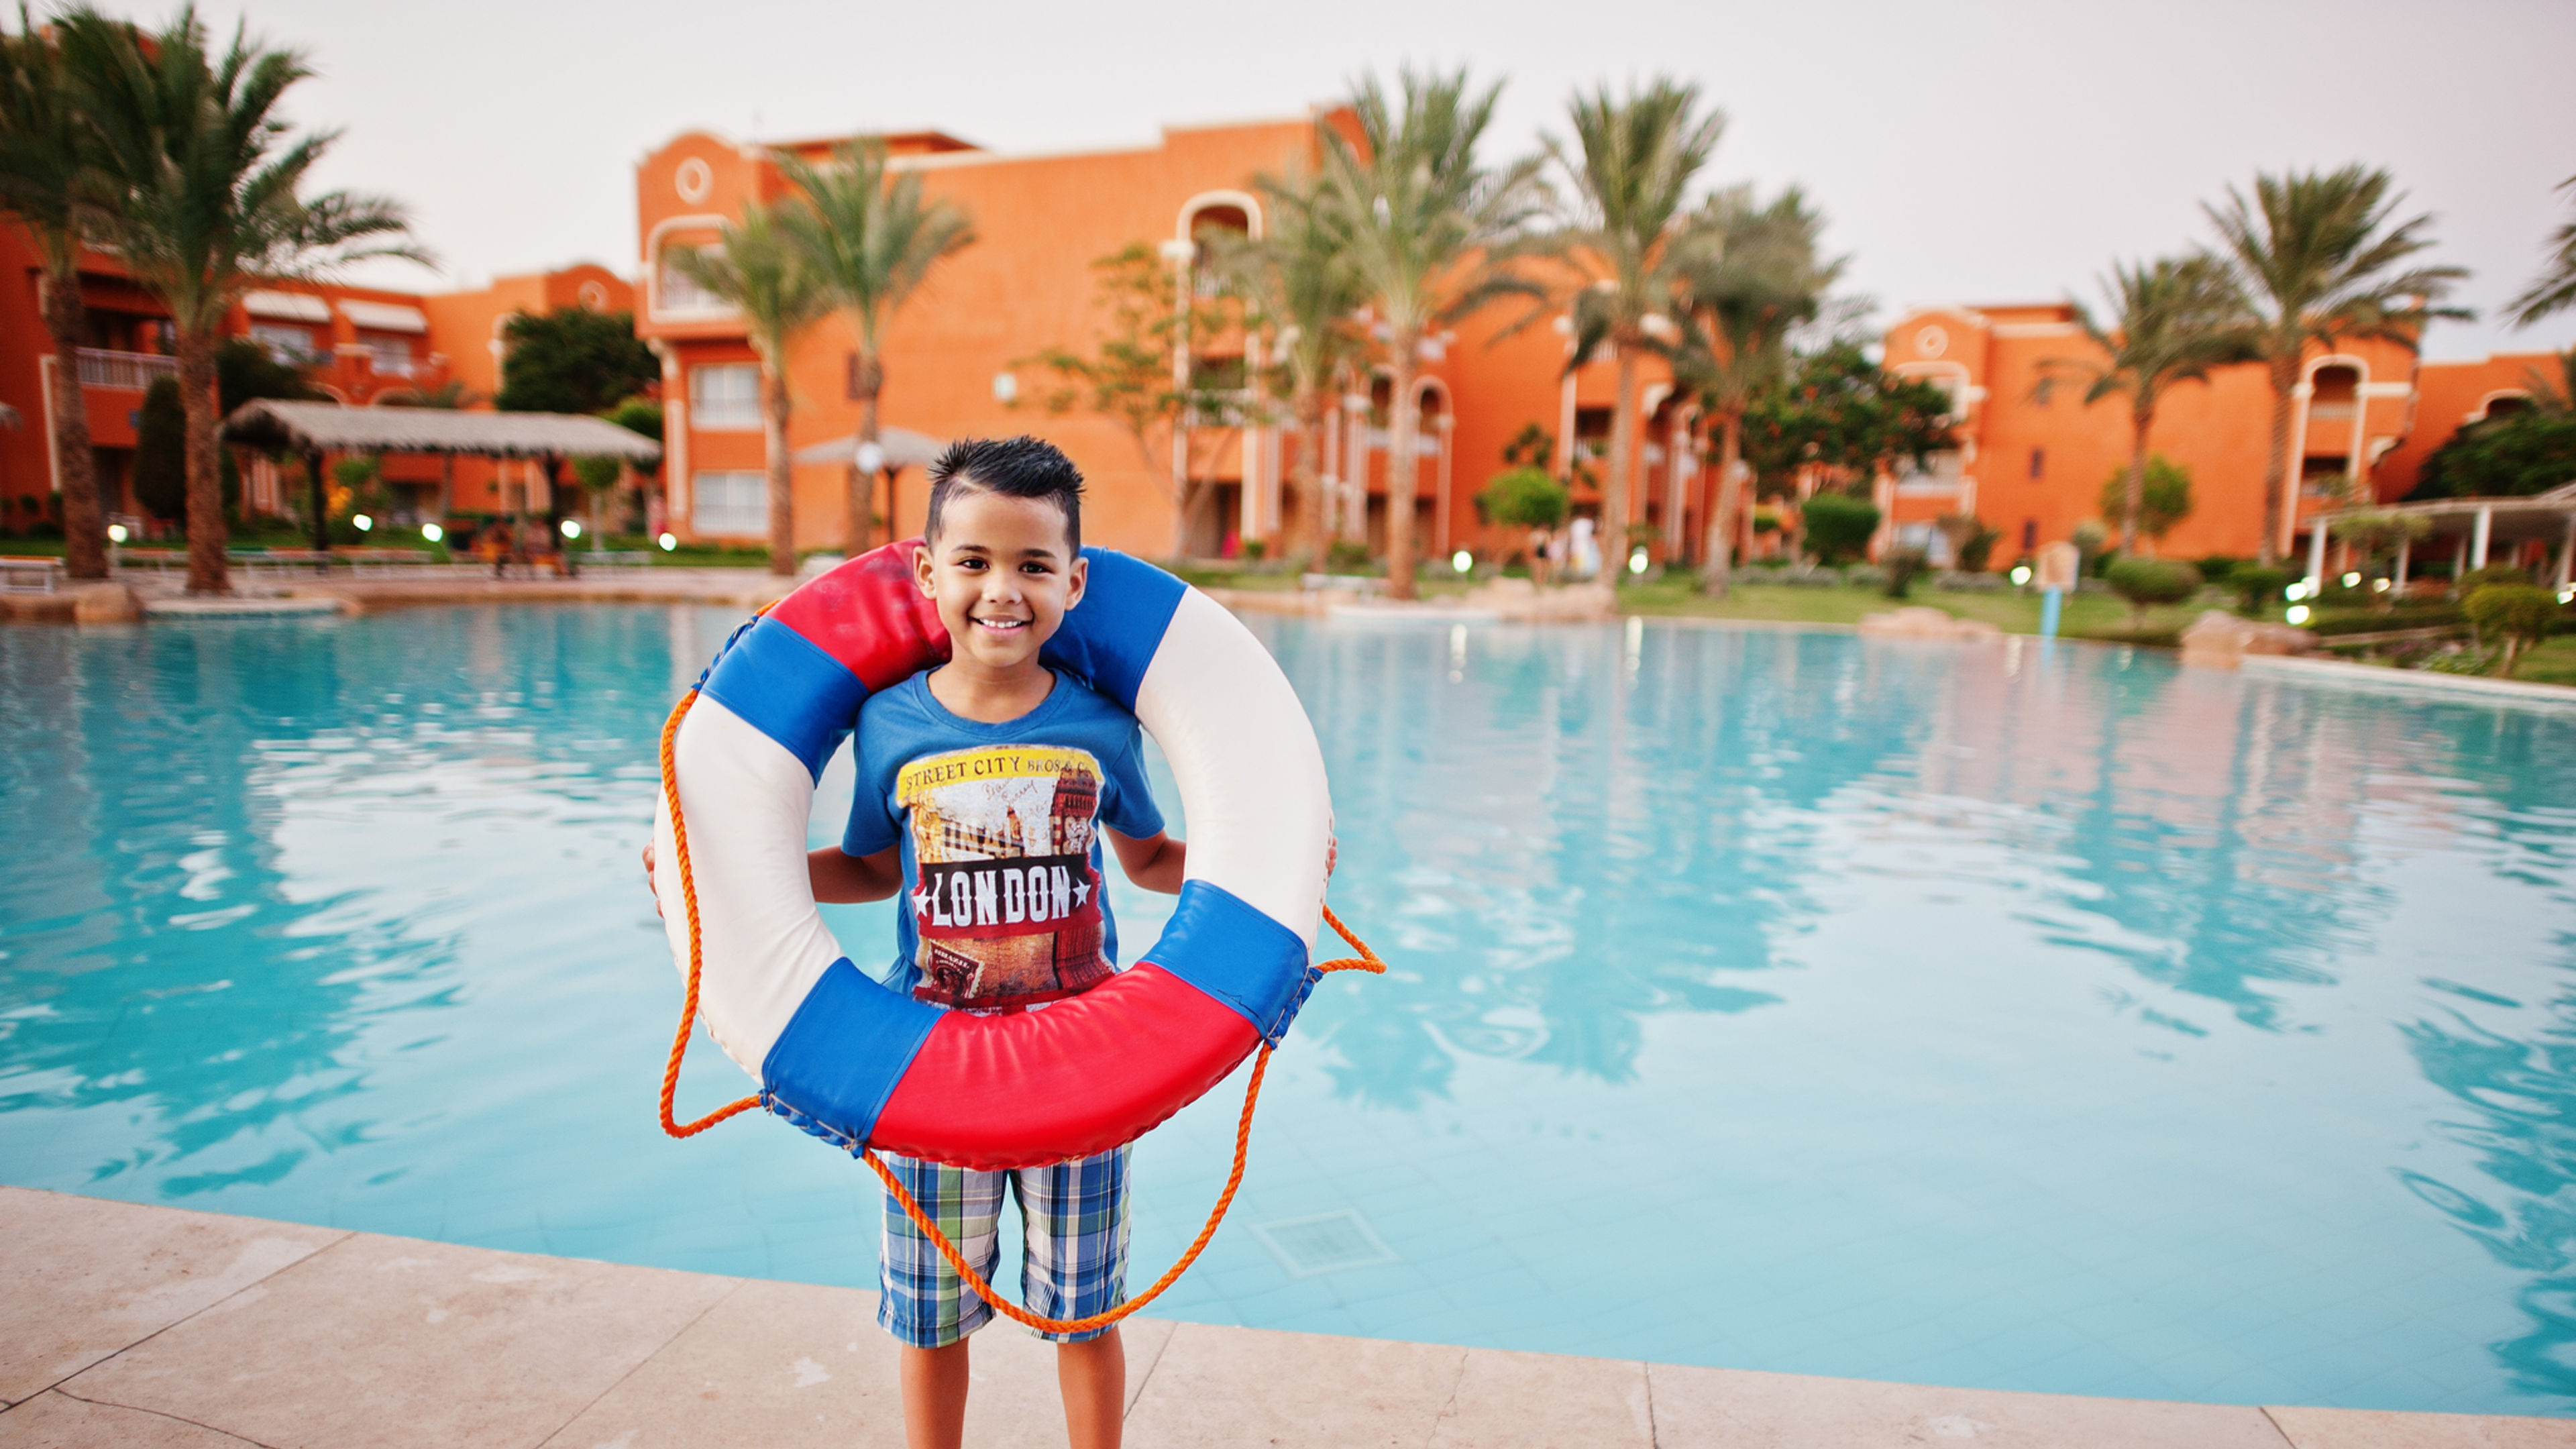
(869, 459)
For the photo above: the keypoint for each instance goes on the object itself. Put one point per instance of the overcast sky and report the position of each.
(1965, 152)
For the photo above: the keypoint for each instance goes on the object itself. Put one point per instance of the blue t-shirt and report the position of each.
(999, 825)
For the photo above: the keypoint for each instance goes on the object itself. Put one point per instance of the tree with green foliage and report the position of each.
(1525, 497)
(2518, 615)
(205, 205)
(757, 269)
(2147, 581)
(1625, 226)
(1840, 411)
(1972, 540)
(2173, 320)
(2151, 501)
(2554, 289)
(1295, 281)
(244, 372)
(2320, 261)
(160, 477)
(1838, 526)
(2511, 455)
(572, 360)
(1758, 276)
(51, 182)
(1430, 230)
(2258, 587)
(871, 239)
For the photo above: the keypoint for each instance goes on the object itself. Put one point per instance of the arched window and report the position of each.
(2335, 392)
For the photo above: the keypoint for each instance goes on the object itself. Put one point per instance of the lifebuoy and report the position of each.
(850, 1061)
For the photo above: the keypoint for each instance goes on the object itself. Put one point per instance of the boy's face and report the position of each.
(1003, 573)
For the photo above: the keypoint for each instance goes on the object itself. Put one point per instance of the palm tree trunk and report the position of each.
(1403, 476)
(2285, 376)
(860, 494)
(1717, 570)
(84, 523)
(2133, 494)
(1623, 452)
(207, 572)
(1310, 475)
(782, 496)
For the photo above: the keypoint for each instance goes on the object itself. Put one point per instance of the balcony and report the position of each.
(132, 371)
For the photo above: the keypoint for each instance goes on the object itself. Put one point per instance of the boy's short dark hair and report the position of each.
(1021, 467)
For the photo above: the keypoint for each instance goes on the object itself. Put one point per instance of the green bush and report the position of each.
(2518, 614)
(2164, 499)
(1903, 565)
(2217, 567)
(1838, 526)
(1524, 498)
(2257, 586)
(160, 478)
(2476, 579)
(2145, 581)
(1346, 556)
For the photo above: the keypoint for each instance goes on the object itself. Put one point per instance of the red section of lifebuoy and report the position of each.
(1080, 1075)
(871, 616)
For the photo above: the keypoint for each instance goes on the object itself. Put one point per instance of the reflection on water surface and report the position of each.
(1766, 999)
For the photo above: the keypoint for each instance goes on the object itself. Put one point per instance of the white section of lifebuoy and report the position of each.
(1251, 773)
(747, 801)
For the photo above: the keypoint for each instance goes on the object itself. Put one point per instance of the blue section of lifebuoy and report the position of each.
(786, 687)
(1111, 637)
(1237, 955)
(850, 1041)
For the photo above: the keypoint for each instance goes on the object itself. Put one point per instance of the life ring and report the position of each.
(847, 1059)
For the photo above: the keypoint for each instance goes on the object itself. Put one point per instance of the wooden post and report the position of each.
(321, 501)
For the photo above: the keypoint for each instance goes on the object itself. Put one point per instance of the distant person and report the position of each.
(1583, 551)
(1540, 546)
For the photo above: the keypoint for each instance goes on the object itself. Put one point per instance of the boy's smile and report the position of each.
(1003, 573)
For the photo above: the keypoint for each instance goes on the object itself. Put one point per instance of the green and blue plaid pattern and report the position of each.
(1076, 1259)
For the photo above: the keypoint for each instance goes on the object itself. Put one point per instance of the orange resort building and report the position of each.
(960, 360)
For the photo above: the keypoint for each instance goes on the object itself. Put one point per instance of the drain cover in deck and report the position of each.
(1308, 1247)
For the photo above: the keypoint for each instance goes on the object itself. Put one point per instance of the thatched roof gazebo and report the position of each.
(316, 429)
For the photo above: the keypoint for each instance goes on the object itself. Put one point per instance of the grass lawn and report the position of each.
(2554, 662)
(2099, 616)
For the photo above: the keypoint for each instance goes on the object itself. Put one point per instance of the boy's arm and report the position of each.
(841, 879)
(1154, 862)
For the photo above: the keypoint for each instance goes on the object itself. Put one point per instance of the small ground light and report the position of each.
(2296, 592)
(2352, 580)
(2379, 584)
(432, 532)
(2298, 614)
(116, 533)
(2020, 575)
(669, 541)
(1637, 562)
(2567, 596)
(363, 522)
(572, 528)
(1462, 561)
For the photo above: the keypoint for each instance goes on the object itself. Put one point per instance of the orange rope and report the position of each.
(1367, 960)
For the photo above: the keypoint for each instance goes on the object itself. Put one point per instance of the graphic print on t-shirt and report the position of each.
(1004, 897)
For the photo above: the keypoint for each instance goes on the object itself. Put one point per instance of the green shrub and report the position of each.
(2164, 499)
(160, 478)
(1346, 556)
(1838, 526)
(2217, 567)
(1524, 498)
(1903, 565)
(2518, 614)
(2257, 587)
(2475, 579)
(2145, 581)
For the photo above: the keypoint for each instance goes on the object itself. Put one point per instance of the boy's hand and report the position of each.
(657, 895)
(1332, 855)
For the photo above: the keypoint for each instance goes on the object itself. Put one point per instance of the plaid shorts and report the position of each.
(1074, 1265)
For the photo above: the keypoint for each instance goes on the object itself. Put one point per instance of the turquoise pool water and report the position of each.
(1780, 1001)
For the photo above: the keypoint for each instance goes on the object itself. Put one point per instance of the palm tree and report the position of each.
(204, 205)
(870, 241)
(1296, 281)
(47, 179)
(2555, 396)
(2175, 320)
(2319, 262)
(764, 274)
(1755, 279)
(1421, 223)
(2555, 288)
(1626, 229)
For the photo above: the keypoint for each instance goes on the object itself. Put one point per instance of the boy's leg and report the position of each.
(1076, 1267)
(922, 1301)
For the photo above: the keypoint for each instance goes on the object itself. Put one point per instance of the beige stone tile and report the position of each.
(85, 1277)
(58, 1421)
(1242, 1386)
(1544, 1401)
(1697, 1407)
(394, 1341)
(2375, 1429)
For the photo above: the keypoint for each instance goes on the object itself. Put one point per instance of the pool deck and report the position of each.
(123, 1324)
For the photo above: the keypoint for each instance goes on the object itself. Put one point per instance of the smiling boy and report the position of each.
(985, 787)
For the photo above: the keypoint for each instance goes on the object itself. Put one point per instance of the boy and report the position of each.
(993, 757)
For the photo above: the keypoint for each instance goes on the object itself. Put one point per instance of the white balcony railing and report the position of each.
(132, 370)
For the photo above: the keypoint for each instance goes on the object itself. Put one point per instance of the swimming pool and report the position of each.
(1770, 1000)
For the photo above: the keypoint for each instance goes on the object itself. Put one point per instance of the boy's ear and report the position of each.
(922, 574)
(1077, 578)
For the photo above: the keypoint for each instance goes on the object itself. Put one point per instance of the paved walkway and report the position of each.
(125, 1325)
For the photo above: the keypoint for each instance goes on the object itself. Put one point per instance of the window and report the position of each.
(392, 352)
(290, 345)
(678, 292)
(2029, 534)
(2043, 392)
(2039, 462)
(2336, 394)
(726, 395)
(730, 504)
